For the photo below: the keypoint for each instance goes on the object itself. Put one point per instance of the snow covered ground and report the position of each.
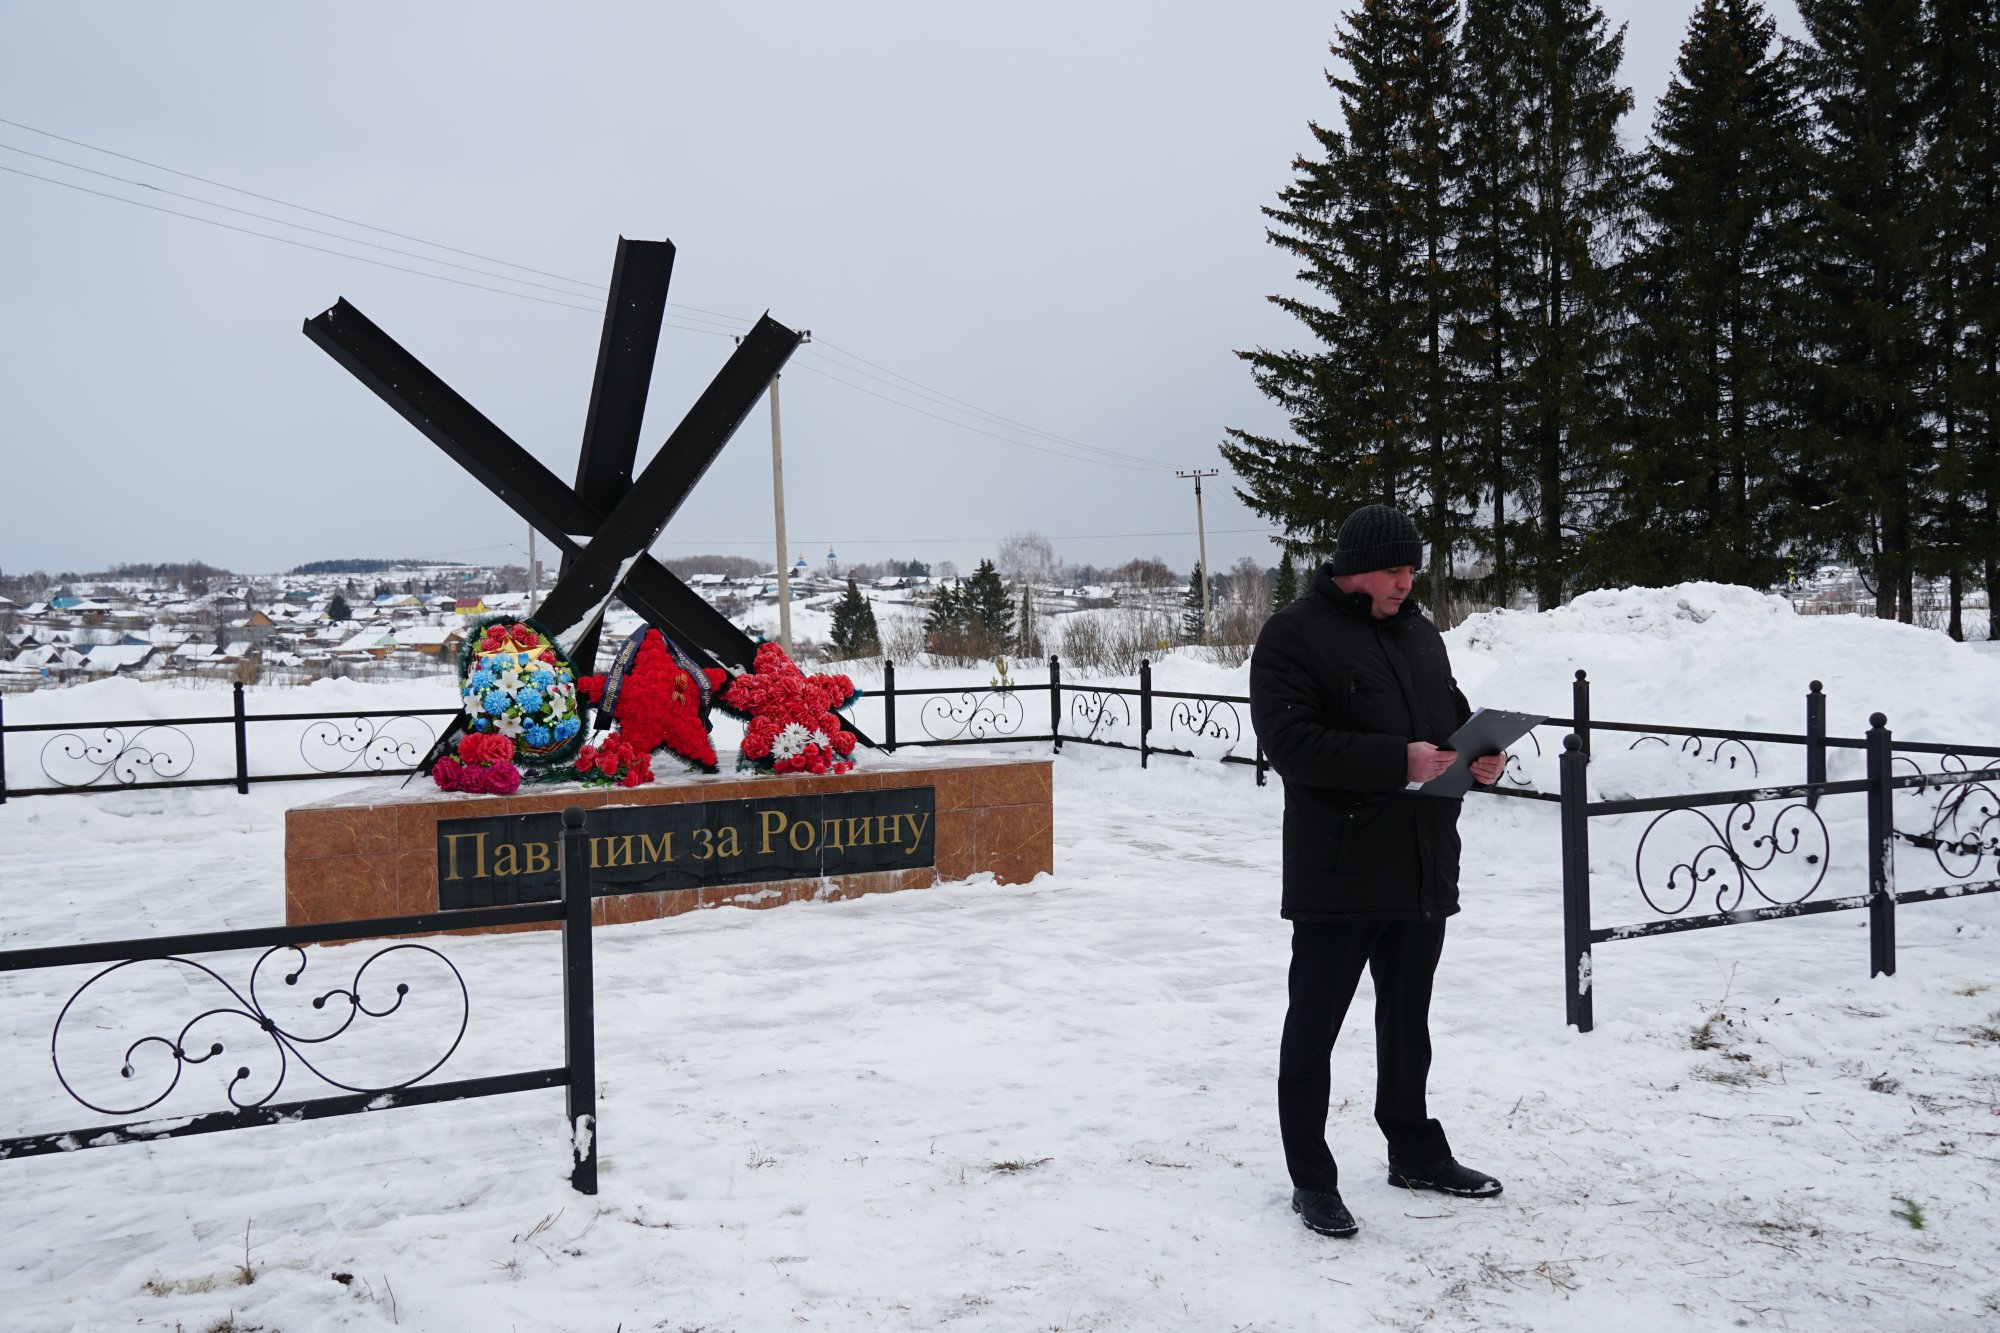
(1050, 1106)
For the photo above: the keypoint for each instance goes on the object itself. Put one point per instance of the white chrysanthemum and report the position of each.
(821, 739)
(790, 741)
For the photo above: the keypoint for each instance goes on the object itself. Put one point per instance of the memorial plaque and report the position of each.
(690, 845)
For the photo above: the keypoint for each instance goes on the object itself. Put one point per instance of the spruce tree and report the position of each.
(1493, 257)
(338, 610)
(1285, 587)
(854, 633)
(1193, 623)
(946, 622)
(1576, 214)
(990, 612)
(1961, 171)
(1713, 353)
(1432, 176)
(1368, 219)
(1870, 436)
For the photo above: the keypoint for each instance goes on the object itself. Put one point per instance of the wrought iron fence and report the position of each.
(154, 1062)
(1769, 854)
(213, 750)
(1693, 868)
(1119, 717)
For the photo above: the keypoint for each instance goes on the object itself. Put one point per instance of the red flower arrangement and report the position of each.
(501, 638)
(792, 727)
(659, 702)
(616, 761)
(485, 763)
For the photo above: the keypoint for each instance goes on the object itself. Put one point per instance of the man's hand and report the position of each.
(1487, 768)
(1427, 761)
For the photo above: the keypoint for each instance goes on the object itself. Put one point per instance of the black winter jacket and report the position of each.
(1337, 696)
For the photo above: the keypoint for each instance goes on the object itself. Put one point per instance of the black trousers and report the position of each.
(1401, 956)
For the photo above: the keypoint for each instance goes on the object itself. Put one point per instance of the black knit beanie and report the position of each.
(1377, 537)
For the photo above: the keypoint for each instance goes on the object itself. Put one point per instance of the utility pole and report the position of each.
(778, 503)
(1201, 531)
(534, 573)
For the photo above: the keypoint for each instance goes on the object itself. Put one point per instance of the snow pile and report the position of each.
(1708, 654)
(1051, 1105)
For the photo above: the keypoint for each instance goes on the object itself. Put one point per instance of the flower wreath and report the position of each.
(659, 696)
(516, 682)
(791, 723)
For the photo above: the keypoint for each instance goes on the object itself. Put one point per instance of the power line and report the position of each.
(287, 240)
(270, 199)
(736, 322)
(596, 288)
(944, 400)
(973, 407)
(1104, 456)
(1038, 448)
(525, 296)
(266, 217)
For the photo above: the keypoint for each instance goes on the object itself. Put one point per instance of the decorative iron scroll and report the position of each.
(78, 761)
(972, 715)
(250, 1015)
(1515, 772)
(1795, 831)
(1692, 745)
(1092, 711)
(1204, 717)
(1964, 825)
(373, 744)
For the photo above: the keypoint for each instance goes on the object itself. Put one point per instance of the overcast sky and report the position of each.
(1047, 211)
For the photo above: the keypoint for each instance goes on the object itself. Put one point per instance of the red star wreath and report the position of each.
(660, 703)
(792, 727)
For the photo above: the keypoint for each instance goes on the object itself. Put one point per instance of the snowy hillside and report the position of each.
(1052, 1105)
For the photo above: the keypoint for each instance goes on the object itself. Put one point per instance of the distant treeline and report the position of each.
(362, 566)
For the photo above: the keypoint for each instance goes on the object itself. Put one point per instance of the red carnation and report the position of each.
(503, 779)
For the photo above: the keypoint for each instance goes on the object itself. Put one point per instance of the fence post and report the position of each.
(1579, 707)
(579, 1004)
(3, 750)
(1055, 701)
(888, 704)
(1577, 988)
(1145, 709)
(242, 745)
(1881, 856)
(1815, 741)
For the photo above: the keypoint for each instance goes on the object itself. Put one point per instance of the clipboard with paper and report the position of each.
(1487, 731)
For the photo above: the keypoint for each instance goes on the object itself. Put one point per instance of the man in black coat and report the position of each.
(1353, 698)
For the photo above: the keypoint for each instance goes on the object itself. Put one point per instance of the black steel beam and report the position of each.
(623, 532)
(642, 512)
(640, 277)
(451, 423)
(515, 475)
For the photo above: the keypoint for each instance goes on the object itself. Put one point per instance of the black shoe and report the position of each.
(1322, 1211)
(1446, 1177)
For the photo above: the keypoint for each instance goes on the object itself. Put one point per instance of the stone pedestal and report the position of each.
(734, 839)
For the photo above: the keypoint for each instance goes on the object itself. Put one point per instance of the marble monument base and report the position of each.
(675, 845)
